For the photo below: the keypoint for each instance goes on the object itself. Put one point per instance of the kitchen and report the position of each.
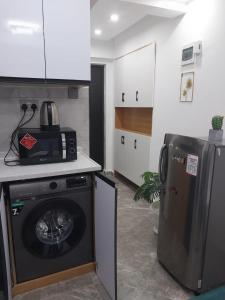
(40, 63)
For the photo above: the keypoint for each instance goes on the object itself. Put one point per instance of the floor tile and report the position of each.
(140, 276)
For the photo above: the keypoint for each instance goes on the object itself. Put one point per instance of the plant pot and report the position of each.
(215, 135)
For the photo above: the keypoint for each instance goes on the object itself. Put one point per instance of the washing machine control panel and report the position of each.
(33, 189)
(53, 185)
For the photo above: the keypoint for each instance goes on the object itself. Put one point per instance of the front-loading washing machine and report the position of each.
(52, 225)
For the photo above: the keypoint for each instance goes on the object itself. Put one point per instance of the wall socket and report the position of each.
(29, 103)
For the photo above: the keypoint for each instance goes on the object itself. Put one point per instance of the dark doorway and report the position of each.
(96, 112)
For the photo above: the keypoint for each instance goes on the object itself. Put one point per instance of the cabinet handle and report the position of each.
(123, 97)
(135, 144)
(137, 96)
(122, 140)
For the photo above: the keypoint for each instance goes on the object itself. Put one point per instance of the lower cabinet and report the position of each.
(104, 195)
(105, 214)
(132, 155)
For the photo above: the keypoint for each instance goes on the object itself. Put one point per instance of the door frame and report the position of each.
(109, 111)
(104, 112)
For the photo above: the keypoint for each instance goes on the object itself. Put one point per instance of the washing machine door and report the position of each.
(54, 228)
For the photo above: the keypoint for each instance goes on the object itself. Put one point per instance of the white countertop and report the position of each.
(83, 164)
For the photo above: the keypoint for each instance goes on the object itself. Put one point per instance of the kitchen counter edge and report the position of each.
(83, 164)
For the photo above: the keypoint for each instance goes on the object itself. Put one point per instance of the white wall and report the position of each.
(102, 53)
(72, 113)
(205, 21)
(102, 49)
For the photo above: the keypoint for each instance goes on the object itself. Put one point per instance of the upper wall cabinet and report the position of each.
(21, 39)
(134, 78)
(67, 39)
(45, 39)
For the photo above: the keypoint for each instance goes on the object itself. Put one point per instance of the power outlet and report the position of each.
(29, 103)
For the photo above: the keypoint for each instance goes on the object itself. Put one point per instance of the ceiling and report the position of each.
(93, 2)
(130, 12)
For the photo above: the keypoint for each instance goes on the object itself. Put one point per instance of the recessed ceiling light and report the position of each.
(114, 18)
(184, 1)
(98, 31)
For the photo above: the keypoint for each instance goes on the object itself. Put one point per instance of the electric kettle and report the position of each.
(49, 117)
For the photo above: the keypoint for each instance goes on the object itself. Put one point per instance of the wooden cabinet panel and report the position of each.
(138, 120)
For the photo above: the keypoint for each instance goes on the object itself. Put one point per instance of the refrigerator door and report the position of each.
(214, 262)
(183, 168)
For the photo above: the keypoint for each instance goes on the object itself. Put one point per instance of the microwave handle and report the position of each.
(63, 136)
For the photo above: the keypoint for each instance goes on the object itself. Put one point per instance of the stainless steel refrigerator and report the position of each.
(191, 240)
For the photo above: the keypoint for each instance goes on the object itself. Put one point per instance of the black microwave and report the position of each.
(41, 147)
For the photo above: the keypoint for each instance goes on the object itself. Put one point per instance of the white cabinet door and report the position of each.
(106, 233)
(22, 43)
(140, 156)
(144, 68)
(132, 155)
(124, 79)
(135, 78)
(120, 96)
(4, 251)
(120, 151)
(67, 39)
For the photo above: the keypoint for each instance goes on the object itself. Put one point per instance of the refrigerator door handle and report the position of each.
(162, 171)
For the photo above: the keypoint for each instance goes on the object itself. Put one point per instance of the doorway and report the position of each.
(96, 115)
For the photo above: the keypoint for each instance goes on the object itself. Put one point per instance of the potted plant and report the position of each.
(150, 191)
(216, 133)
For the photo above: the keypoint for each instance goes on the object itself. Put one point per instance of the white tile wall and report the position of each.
(73, 113)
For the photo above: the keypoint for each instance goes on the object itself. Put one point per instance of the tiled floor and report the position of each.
(140, 277)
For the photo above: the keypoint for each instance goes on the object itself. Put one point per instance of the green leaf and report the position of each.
(150, 189)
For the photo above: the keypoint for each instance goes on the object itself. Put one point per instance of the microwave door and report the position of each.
(47, 148)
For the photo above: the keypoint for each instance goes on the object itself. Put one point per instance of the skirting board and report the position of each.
(125, 179)
(27, 286)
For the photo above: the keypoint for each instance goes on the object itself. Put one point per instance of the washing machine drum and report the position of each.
(54, 228)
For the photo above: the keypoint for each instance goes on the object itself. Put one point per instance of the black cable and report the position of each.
(13, 135)
(12, 140)
(20, 126)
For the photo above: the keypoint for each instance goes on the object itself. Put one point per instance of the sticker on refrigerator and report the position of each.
(192, 165)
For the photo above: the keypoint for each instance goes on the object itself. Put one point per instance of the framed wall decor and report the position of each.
(187, 87)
